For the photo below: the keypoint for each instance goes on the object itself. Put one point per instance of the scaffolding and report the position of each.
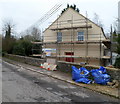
(36, 49)
(71, 26)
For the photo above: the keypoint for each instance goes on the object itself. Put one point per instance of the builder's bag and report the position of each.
(75, 73)
(80, 75)
(100, 76)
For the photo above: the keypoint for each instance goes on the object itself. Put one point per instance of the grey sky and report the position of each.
(25, 13)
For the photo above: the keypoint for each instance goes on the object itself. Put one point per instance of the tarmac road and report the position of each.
(21, 85)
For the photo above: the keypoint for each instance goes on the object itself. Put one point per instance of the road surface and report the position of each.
(21, 85)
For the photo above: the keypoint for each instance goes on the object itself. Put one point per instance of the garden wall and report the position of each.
(24, 59)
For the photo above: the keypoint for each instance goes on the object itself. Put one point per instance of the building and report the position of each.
(76, 39)
(119, 17)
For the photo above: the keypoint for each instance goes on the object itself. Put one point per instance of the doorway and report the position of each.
(69, 59)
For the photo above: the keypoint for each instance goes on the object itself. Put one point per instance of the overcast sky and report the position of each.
(25, 13)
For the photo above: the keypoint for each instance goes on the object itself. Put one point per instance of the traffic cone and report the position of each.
(41, 66)
(48, 68)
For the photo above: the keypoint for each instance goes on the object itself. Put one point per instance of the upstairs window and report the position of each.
(80, 36)
(59, 36)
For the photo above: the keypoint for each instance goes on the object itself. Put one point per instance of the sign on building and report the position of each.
(49, 51)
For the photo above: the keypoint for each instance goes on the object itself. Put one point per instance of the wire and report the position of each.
(45, 17)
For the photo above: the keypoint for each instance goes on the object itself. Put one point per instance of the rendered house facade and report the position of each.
(76, 39)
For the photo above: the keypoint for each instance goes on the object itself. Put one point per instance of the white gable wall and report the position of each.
(68, 19)
(95, 33)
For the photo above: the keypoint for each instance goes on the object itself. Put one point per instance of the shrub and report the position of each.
(117, 63)
(19, 50)
(22, 47)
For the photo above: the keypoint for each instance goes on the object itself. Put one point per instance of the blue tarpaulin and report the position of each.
(80, 75)
(100, 75)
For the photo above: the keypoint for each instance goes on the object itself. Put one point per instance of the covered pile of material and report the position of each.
(82, 75)
(100, 76)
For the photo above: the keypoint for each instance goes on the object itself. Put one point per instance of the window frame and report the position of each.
(59, 36)
(80, 37)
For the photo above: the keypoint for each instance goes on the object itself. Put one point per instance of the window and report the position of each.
(59, 36)
(80, 36)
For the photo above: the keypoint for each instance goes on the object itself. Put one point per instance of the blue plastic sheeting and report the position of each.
(75, 73)
(102, 69)
(100, 76)
(84, 80)
(80, 75)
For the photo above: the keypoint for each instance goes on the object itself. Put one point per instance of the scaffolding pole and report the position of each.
(71, 36)
(100, 49)
(86, 40)
(111, 39)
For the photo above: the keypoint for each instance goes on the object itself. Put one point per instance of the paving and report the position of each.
(114, 92)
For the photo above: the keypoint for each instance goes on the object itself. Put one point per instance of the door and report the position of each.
(69, 59)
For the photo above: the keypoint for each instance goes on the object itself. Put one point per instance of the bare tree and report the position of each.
(8, 28)
(8, 39)
(28, 38)
(0, 44)
(97, 20)
(32, 34)
(36, 33)
(115, 24)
